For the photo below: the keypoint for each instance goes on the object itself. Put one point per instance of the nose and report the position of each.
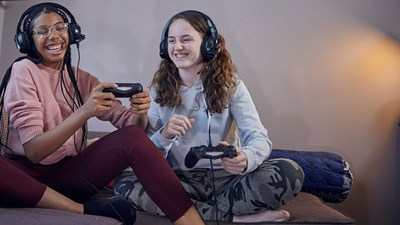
(178, 46)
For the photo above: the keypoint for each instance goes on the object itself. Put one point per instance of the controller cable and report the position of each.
(213, 191)
(84, 127)
(212, 169)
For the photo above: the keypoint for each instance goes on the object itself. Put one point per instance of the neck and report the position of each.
(56, 66)
(191, 76)
(189, 79)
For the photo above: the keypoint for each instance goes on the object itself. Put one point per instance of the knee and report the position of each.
(291, 170)
(134, 142)
(132, 131)
(129, 135)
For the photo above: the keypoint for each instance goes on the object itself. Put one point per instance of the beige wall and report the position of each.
(325, 75)
(2, 5)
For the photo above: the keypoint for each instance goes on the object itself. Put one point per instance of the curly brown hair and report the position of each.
(218, 76)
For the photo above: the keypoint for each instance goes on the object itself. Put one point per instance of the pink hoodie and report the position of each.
(35, 103)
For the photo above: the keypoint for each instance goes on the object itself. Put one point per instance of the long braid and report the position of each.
(4, 117)
(72, 76)
(76, 88)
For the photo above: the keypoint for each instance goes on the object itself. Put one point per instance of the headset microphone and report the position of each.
(201, 70)
(77, 35)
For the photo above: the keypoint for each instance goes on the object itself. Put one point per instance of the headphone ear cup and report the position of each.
(22, 42)
(209, 48)
(75, 33)
(164, 49)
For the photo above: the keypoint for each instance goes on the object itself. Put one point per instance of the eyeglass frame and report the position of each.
(44, 35)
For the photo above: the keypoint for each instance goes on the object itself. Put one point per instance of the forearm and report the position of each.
(45, 144)
(141, 121)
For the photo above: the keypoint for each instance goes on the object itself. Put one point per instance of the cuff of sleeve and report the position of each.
(162, 143)
(27, 134)
(251, 162)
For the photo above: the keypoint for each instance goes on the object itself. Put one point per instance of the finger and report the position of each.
(227, 162)
(141, 97)
(235, 161)
(179, 129)
(103, 85)
(144, 94)
(144, 106)
(103, 105)
(180, 121)
(224, 143)
(173, 132)
(187, 122)
(233, 170)
(140, 100)
(104, 96)
(98, 93)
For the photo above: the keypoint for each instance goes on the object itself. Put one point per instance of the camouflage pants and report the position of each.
(272, 185)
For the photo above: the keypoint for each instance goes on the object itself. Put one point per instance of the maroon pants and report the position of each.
(23, 183)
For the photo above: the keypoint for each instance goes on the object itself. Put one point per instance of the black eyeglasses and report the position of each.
(44, 31)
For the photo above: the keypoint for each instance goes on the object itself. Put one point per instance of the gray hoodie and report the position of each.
(239, 124)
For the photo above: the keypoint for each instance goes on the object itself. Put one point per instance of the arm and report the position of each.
(48, 142)
(158, 118)
(120, 116)
(256, 144)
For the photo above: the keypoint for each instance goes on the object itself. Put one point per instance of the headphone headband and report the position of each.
(23, 39)
(211, 42)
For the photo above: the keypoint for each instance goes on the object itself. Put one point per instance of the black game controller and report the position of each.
(213, 152)
(125, 90)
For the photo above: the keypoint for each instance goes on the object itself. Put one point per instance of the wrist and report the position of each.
(162, 132)
(83, 113)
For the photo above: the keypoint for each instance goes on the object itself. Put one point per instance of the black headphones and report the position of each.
(23, 37)
(209, 47)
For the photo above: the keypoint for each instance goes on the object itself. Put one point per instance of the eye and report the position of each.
(170, 40)
(187, 39)
(41, 31)
(60, 26)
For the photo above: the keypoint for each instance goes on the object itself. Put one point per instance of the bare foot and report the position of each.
(269, 215)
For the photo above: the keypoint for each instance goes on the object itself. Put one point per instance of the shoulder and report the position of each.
(153, 92)
(24, 64)
(240, 92)
(24, 69)
(84, 76)
(240, 87)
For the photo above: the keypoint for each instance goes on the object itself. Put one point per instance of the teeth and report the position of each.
(54, 47)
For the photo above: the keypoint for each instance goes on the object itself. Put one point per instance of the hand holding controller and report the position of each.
(213, 152)
(125, 90)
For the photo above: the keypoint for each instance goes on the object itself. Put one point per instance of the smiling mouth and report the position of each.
(54, 48)
(180, 56)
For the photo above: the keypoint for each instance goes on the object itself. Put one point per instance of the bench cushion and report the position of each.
(326, 174)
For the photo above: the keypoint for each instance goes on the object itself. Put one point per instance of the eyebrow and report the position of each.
(183, 36)
(40, 26)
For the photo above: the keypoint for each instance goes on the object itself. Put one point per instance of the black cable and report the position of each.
(212, 169)
(84, 127)
(213, 191)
